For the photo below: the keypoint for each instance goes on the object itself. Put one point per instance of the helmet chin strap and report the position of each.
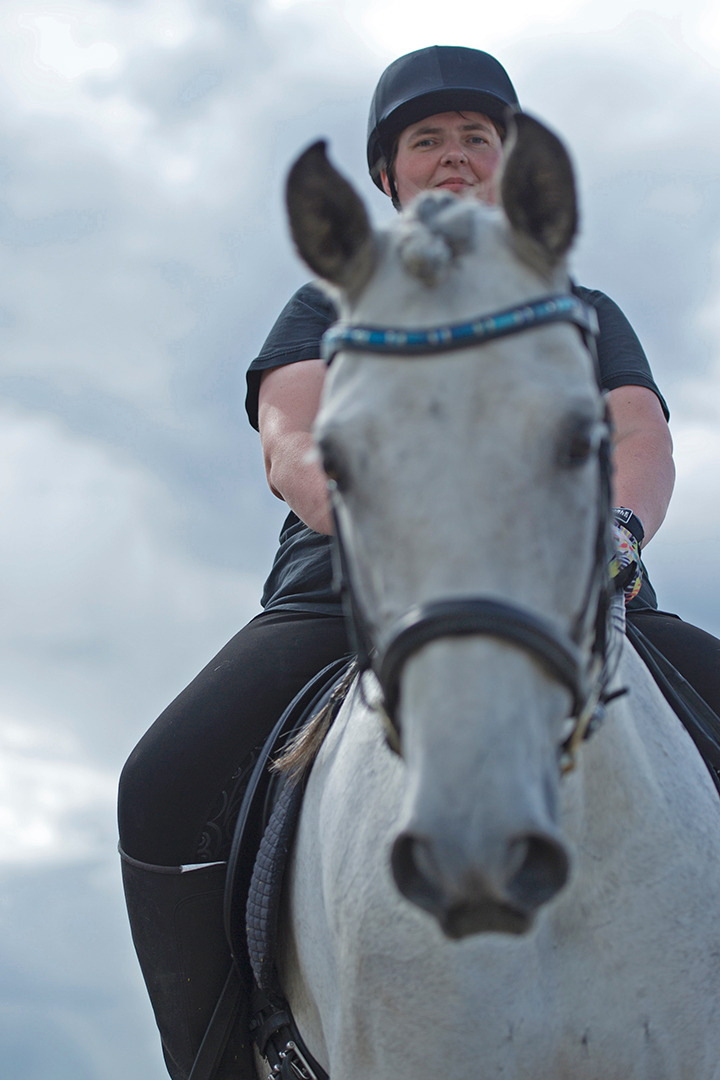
(376, 174)
(388, 169)
(393, 192)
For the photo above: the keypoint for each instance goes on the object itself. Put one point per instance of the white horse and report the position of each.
(465, 909)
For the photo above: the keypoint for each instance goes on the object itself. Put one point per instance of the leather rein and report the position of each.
(564, 657)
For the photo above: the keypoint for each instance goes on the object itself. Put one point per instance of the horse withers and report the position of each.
(464, 907)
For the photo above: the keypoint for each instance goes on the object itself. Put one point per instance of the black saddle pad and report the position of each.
(263, 904)
(257, 803)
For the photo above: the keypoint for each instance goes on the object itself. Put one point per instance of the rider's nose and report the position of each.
(454, 154)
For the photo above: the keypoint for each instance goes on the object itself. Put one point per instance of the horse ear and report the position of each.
(538, 188)
(328, 222)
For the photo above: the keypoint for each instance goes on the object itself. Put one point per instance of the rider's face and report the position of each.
(453, 151)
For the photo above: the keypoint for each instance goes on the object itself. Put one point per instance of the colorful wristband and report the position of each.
(625, 565)
(630, 521)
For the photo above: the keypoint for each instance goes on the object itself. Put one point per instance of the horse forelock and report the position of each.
(437, 229)
(432, 262)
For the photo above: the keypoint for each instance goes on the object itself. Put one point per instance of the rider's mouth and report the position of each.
(453, 183)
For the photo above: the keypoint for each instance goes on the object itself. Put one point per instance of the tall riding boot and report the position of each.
(176, 917)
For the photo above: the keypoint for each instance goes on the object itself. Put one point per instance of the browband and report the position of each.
(398, 342)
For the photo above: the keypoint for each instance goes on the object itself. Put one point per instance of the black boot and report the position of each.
(176, 917)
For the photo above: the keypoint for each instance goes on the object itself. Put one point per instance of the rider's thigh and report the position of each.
(695, 653)
(174, 775)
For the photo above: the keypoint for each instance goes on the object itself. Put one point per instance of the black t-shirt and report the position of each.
(301, 576)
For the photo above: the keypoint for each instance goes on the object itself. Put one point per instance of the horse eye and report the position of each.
(333, 465)
(579, 443)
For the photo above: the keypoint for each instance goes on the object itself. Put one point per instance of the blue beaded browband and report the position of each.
(397, 342)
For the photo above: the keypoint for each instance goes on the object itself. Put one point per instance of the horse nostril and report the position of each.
(415, 873)
(538, 867)
(500, 894)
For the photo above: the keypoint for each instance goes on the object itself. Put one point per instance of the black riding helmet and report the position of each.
(442, 78)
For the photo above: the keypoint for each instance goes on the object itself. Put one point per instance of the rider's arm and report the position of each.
(288, 402)
(644, 472)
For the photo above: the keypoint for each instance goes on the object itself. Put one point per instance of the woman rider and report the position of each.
(436, 122)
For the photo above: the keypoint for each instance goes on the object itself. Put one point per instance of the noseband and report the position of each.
(584, 672)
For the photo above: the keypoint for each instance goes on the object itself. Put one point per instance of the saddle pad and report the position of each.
(284, 794)
(250, 823)
(263, 906)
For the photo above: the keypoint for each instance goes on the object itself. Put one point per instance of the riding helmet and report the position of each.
(442, 78)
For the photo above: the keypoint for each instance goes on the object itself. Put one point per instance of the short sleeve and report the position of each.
(621, 357)
(295, 336)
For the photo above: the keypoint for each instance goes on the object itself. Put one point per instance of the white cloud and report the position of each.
(393, 27)
(169, 23)
(58, 50)
(54, 808)
(103, 615)
(684, 558)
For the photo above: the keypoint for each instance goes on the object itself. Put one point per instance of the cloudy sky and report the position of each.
(143, 147)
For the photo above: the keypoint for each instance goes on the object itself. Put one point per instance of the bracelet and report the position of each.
(630, 521)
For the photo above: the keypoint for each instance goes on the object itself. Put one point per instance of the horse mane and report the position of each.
(303, 748)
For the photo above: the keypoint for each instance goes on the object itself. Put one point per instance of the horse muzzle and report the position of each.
(500, 889)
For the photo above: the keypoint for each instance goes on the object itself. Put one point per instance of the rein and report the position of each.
(584, 673)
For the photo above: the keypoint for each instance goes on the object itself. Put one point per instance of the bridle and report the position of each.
(565, 657)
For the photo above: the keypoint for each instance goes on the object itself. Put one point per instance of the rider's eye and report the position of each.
(579, 443)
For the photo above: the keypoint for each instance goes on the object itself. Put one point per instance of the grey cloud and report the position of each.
(637, 110)
(71, 1001)
(65, 227)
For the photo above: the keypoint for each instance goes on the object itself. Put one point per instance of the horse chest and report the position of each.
(599, 990)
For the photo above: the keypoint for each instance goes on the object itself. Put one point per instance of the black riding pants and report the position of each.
(175, 774)
(173, 777)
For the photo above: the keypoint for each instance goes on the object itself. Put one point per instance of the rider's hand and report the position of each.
(625, 565)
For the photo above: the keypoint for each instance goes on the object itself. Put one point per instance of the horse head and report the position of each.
(466, 480)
